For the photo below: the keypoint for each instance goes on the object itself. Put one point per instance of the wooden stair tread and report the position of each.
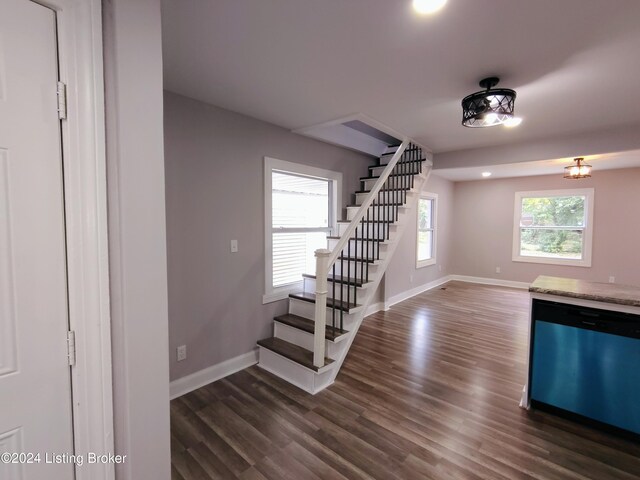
(405, 150)
(339, 279)
(308, 326)
(366, 239)
(374, 177)
(397, 204)
(371, 167)
(293, 352)
(357, 259)
(386, 190)
(311, 298)
(367, 221)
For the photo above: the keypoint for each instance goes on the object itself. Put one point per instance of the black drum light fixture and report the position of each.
(489, 107)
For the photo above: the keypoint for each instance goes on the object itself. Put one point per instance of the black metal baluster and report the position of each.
(333, 308)
(368, 239)
(348, 272)
(413, 167)
(342, 275)
(395, 192)
(376, 232)
(355, 273)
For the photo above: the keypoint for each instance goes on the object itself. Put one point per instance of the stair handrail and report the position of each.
(344, 238)
(324, 260)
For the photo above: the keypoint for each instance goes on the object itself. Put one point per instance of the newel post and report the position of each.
(322, 272)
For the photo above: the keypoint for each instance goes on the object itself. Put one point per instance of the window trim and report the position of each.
(270, 164)
(585, 261)
(434, 215)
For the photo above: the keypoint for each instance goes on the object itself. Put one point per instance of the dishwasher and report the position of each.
(585, 364)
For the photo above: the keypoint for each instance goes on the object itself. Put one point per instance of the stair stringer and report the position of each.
(337, 365)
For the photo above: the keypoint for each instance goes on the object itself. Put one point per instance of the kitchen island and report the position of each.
(584, 352)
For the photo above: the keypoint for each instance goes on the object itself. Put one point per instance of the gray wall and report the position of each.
(483, 228)
(215, 193)
(137, 248)
(402, 274)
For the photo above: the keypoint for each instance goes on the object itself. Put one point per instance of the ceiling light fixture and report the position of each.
(512, 122)
(486, 174)
(579, 170)
(428, 6)
(490, 107)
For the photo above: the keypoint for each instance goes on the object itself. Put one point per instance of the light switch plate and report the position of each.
(234, 246)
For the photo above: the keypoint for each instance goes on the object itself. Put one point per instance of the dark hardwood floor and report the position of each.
(430, 389)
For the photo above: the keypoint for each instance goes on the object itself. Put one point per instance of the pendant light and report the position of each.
(489, 107)
(579, 170)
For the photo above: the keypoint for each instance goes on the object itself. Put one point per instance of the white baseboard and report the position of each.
(203, 377)
(376, 307)
(490, 281)
(401, 297)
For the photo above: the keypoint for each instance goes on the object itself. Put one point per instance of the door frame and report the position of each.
(79, 38)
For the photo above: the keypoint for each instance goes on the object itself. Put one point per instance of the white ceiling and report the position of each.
(630, 159)
(574, 63)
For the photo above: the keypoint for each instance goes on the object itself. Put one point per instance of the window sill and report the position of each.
(281, 293)
(553, 261)
(426, 263)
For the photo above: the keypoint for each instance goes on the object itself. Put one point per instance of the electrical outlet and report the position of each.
(612, 279)
(234, 246)
(181, 352)
(498, 270)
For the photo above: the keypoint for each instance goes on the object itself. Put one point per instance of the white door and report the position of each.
(35, 386)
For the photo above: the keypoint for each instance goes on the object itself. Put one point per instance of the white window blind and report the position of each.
(300, 223)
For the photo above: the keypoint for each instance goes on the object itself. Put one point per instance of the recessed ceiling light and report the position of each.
(486, 174)
(512, 122)
(428, 6)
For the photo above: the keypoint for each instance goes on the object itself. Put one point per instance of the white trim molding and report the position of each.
(273, 164)
(587, 238)
(490, 281)
(203, 377)
(401, 297)
(79, 29)
(374, 308)
(433, 197)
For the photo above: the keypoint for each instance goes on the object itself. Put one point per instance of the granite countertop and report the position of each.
(599, 292)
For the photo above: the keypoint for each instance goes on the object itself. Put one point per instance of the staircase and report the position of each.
(310, 342)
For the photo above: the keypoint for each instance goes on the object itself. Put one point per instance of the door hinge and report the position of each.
(62, 101)
(71, 347)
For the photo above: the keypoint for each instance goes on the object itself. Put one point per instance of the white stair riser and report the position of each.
(392, 182)
(367, 249)
(296, 374)
(333, 242)
(353, 269)
(307, 310)
(377, 171)
(377, 213)
(373, 230)
(305, 340)
(310, 287)
(386, 196)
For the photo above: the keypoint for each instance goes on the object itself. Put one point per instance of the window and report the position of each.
(554, 227)
(426, 241)
(300, 211)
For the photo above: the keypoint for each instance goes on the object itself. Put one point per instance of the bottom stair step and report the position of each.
(308, 326)
(293, 352)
